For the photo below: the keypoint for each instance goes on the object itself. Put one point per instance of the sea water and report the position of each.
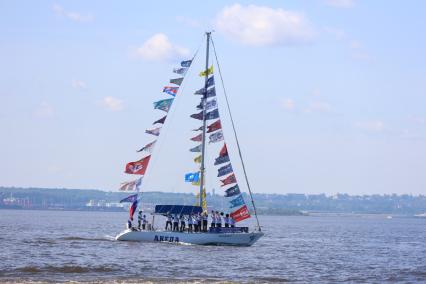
(55, 246)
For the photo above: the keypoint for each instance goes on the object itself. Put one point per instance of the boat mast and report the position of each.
(202, 169)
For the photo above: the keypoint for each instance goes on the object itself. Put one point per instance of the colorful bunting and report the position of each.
(196, 149)
(229, 179)
(200, 91)
(197, 138)
(232, 191)
(240, 214)
(198, 129)
(148, 147)
(130, 199)
(212, 114)
(161, 120)
(163, 105)
(237, 202)
(180, 71)
(138, 167)
(133, 209)
(192, 177)
(155, 131)
(206, 72)
(223, 151)
(216, 137)
(214, 126)
(171, 90)
(177, 81)
(221, 159)
(198, 116)
(197, 159)
(225, 170)
(186, 63)
(210, 81)
(131, 185)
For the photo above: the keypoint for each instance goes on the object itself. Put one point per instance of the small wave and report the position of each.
(64, 269)
(85, 239)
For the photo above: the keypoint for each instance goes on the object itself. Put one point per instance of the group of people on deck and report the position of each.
(198, 222)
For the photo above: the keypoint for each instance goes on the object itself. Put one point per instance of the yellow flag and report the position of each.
(198, 159)
(196, 183)
(207, 72)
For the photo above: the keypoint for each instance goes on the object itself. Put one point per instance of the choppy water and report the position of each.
(79, 246)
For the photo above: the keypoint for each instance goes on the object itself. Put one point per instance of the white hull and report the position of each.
(231, 239)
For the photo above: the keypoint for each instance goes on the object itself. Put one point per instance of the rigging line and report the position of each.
(235, 134)
(154, 160)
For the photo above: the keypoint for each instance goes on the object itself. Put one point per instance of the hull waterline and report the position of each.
(230, 239)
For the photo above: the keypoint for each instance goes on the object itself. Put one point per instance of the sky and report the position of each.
(328, 96)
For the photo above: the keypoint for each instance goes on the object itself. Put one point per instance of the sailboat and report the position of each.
(210, 128)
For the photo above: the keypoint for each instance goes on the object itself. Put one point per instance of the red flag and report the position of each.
(138, 167)
(133, 209)
(228, 180)
(214, 126)
(240, 214)
(224, 151)
(197, 138)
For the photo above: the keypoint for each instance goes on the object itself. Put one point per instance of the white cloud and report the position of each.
(263, 26)
(44, 110)
(372, 125)
(340, 3)
(74, 16)
(78, 84)
(112, 104)
(287, 104)
(159, 48)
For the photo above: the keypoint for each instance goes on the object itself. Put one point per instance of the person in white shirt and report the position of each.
(182, 223)
(218, 219)
(213, 223)
(175, 223)
(169, 222)
(190, 222)
(144, 222)
(205, 218)
(226, 220)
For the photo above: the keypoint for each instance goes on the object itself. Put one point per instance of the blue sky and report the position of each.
(328, 95)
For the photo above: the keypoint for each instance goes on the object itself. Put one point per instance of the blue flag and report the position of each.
(211, 92)
(212, 114)
(224, 170)
(130, 199)
(192, 177)
(232, 191)
(186, 63)
(238, 201)
(210, 81)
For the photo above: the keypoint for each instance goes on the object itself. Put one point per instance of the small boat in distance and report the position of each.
(195, 215)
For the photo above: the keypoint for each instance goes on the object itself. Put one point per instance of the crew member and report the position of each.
(218, 219)
(226, 220)
(169, 222)
(139, 219)
(144, 222)
(175, 223)
(190, 221)
(205, 218)
(182, 223)
(199, 221)
(213, 223)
